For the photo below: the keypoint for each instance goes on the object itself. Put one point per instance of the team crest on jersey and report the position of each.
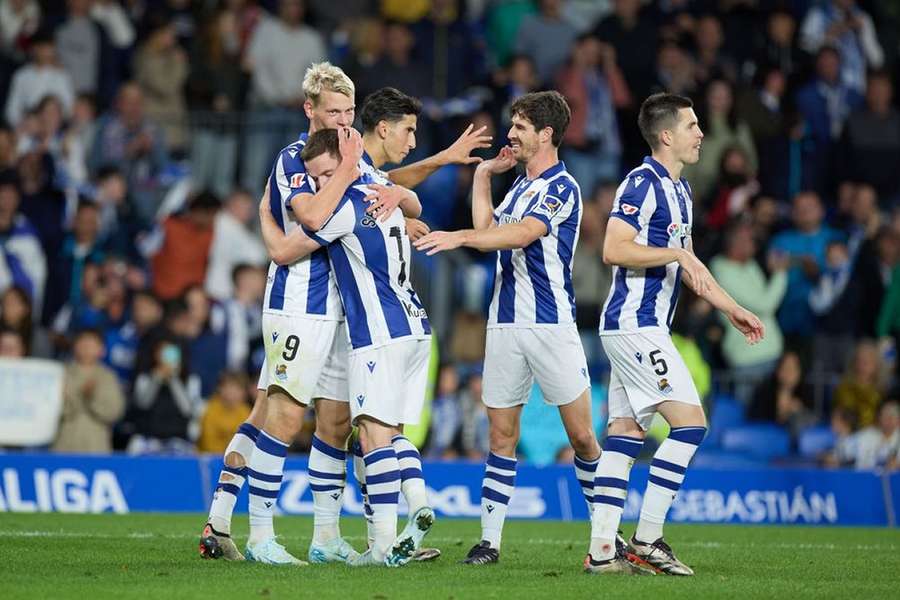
(297, 179)
(664, 387)
(629, 209)
(281, 372)
(368, 221)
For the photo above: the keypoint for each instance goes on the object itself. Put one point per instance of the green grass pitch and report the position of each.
(150, 556)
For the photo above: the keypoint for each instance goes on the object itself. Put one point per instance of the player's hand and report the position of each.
(351, 146)
(748, 324)
(385, 199)
(503, 162)
(264, 202)
(439, 241)
(698, 276)
(471, 139)
(416, 229)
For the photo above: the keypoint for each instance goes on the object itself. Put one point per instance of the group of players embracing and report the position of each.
(345, 331)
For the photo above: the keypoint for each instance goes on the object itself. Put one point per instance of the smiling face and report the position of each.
(398, 137)
(332, 111)
(523, 138)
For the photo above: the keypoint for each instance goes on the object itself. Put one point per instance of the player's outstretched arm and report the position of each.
(620, 249)
(482, 202)
(456, 153)
(503, 237)
(313, 210)
(283, 249)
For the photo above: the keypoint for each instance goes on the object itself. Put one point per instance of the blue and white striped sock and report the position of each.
(359, 471)
(383, 486)
(327, 474)
(412, 482)
(231, 479)
(666, 475)
(610, 489)
(496, 490)
(585, 472)
(264, 474)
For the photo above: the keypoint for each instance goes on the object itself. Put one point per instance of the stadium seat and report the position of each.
(714, 458)
(762, 441)
(726, 413)
(813, 441)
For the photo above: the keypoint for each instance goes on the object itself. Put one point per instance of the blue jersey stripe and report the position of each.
(657, 237)
(357, 322)
(317, 292)
(614, 310)
(544, 300)
(566, 247)
(275, 197)
(276, 296)
(506, 311)
(375, 254)
(674, 302)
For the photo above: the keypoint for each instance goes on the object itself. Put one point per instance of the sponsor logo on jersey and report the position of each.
(679, 230)
(416, 312)
(506, 219)
(371, 365)
(368, 221)
(297, 179)
(629, 209)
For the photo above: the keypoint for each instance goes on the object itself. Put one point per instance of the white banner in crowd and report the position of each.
(31, 400)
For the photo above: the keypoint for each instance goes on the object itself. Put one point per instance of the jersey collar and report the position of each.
(303, 137)
(368, 159)
(657, 166)
(552, 171)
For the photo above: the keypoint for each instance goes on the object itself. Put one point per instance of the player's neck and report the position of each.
(672, 165)
(373, 147)
(540, 162)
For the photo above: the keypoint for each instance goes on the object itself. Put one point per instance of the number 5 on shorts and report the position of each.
(659, 364)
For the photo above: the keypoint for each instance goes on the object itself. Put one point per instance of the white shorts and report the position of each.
(307, 358)
(515, 356)
(646, 371)
(388, 383)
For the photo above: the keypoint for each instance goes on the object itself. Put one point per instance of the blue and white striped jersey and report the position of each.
(306, 287)
(371, 260)
(660, 209)
(533, 285)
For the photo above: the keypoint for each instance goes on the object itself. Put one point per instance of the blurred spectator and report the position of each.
(123, 340)
(836, 300)
(165, 403)
(519, 78)
(804, 244)
(871, 140)
(84, 49)
(19, 19)
(280, 52)
(784, 397)
(53, 137)
(134, 144)
(591, 278)
(476, 441)
(92, 399)
(860, 391)
(722, 129)
(367, 42)
(22, 261)
(593, 149)
(80, 247)
(243, 315)
(212, 340)
(119, 226)
(762, 107)
(41, 202)
(843, 424)
(115, 21)
(39, 78)
(848, 28)
(675, 71)
(8, 148)
(12, 344)
(634, 36)
(446, 414)
(451, 49)
(502, 23)
(777, 48)
(224, 413)
(546, 38)
(215, 94)
(741, 276)
(181, 248)
(396, 67)
(161, 69)
(15, 314)
(233, 244)
(710, 57)
(874, 447)
(735, 188)
(825, 103)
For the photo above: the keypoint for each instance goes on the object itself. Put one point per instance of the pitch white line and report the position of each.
(456, 541)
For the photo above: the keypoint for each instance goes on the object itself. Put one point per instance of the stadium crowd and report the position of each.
(137, 136)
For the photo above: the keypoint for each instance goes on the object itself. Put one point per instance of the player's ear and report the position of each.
(382, 129)
(546, 134)
(665, 137)
(307, 108)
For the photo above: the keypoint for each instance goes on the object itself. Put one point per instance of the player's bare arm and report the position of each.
(386, 198)
(283, 249)
(456, 153)
(313, 210)
(503, 237)
(482, 201)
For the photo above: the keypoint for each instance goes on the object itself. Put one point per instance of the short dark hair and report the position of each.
(387, 104)
(321, 142)
(544, 109)
(658, 112)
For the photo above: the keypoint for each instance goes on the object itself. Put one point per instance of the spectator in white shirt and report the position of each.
(18, 19)
(233, 244)
(38, 79)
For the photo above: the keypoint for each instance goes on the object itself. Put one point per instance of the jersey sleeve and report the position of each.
(631, 197)
(290, 176)
(555, 203)
(339, 224)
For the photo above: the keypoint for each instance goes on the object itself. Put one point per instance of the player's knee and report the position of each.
(235, 460)
(504, 438)
(584, 442)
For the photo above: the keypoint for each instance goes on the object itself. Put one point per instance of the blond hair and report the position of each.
(325, 76)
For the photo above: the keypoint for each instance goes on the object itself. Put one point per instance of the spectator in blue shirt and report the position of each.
(22, 261)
